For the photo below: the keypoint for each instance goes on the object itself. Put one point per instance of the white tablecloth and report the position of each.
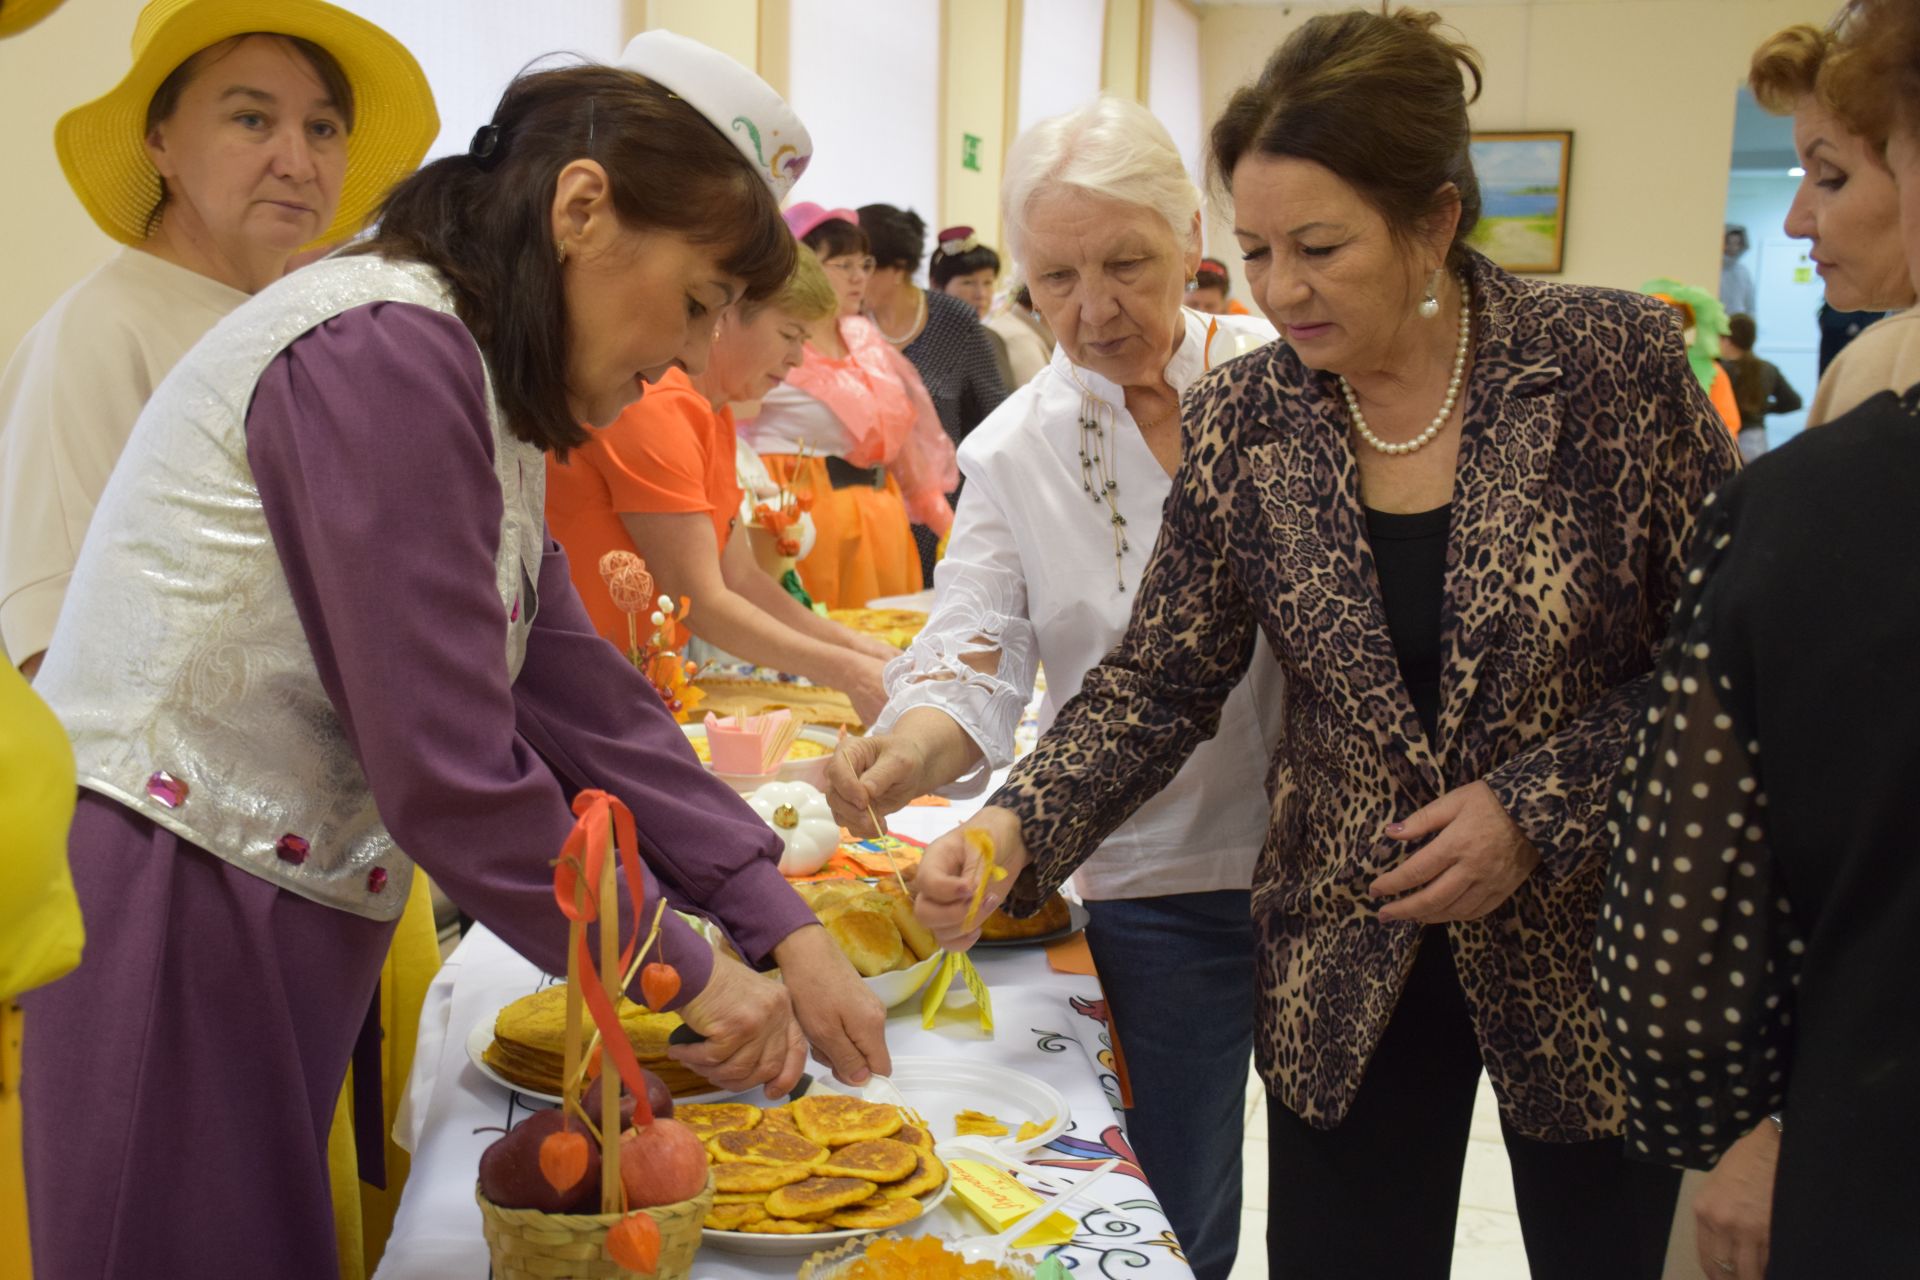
(1050, 1025)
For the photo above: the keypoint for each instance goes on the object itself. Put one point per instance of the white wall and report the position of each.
(469, 56)
(865, 76)
(1787, 294)
(1173, 81)
(1059, 57)
(1647, 86)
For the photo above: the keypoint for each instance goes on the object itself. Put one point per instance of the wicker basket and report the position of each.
(526, 1244)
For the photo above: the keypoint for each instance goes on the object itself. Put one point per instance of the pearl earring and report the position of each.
(1430, 305)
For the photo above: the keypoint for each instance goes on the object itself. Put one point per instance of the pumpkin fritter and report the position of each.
(928, 1174)
(764, 1146)
(779, 1118)
(870, 1215)
(735, 1217)
(708, 1118)
(915, 1137)
(782, 1227)
(881, 1160)
(757, 1178)
(817, 1196)
(837, 1121)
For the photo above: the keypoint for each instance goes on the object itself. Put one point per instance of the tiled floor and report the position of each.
(1487, 1240)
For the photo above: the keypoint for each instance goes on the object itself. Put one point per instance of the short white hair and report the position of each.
(1110, 147)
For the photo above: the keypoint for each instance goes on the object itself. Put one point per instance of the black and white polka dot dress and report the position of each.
(1758, 946)
(956, 361)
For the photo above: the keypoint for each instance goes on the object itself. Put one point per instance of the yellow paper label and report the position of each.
(999, 1201)
(942, 982)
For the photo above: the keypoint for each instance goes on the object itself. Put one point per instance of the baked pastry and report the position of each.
(876, 1214)
(869, 939)
(709, 1118)
(740, 1179)
(900, 910)
(1051, 918)
(928, 1173)
(530, 1035)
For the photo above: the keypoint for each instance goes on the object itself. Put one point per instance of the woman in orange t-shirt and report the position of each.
(661, 481)
(855, 427)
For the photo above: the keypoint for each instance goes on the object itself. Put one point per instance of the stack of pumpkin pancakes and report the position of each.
(820, 1163)
(530, 1039)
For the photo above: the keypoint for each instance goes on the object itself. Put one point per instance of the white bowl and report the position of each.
(813, 771)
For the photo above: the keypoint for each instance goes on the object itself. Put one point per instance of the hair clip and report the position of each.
(484, 150)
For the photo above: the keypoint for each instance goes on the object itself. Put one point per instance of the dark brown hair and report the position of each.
(1378, 99)
(1874, 78)
(485, 223)
(898, 236)
(166, 99)
(836, 238)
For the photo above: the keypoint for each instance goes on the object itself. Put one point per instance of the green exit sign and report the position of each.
(970, 151)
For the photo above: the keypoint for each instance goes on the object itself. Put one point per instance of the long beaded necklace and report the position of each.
(919, 319)
(1434, 428)
(1098, 477)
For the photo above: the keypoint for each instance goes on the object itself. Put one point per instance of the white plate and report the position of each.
(1077, 918)
(481, 1035)
(812, 771)
(937, 1088)
(902, 985)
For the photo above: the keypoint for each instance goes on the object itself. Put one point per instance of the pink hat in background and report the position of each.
(805, 216)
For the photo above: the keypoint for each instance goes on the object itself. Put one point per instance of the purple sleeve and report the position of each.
(599, 723)
(369, 443)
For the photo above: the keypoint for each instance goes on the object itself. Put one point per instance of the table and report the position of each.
(1050, 1025)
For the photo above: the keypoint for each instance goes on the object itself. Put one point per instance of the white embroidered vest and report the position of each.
(179, 666)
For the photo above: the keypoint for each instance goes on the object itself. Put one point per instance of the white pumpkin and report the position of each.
(800, 816)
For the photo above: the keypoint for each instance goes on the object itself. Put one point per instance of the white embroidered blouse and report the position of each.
(1029, 571)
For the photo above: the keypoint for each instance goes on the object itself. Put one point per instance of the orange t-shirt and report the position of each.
(670, 453)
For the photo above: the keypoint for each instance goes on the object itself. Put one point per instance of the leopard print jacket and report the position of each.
(1588, 447)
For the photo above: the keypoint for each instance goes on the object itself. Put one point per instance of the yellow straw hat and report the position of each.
(102, 145)
(17, 15)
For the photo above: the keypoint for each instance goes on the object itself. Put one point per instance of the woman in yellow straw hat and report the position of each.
(318, 636)
(222, 152)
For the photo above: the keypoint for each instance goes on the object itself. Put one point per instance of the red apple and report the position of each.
(662, 1163)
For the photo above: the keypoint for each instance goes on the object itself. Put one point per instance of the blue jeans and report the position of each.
(1178, 976)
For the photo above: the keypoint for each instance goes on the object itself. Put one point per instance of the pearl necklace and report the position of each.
(919, 317)
(1428, 436)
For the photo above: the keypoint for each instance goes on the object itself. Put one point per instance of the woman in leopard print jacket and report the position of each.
(1465, 605)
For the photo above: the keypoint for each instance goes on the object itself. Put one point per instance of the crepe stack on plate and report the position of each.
(530, 1036)
(822, 1163)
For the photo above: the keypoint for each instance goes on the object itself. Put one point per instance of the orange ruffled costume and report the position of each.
(863, 541)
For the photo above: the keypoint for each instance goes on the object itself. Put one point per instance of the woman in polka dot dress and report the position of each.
(1757, 941)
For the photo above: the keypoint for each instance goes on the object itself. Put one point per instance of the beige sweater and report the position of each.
(1885, 357)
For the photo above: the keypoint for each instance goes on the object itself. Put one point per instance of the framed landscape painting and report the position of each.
(1523, 198)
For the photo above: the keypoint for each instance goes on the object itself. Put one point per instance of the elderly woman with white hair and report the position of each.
(1064, 485)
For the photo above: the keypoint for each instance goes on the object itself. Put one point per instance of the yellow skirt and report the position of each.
(863, 542)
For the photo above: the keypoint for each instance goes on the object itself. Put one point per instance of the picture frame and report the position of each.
(1523, 198)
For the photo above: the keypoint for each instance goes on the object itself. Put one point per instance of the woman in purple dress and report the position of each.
(318, 622)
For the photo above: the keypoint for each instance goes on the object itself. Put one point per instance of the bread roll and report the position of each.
(870, 940)
(900, 906)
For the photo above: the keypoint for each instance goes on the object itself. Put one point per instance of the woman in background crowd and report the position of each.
(662, 482)
(1760, 922)
(1024, 330)
(1457, 504)
(853, 427)
(966, 269)
(1759, 388)
(220, 153)
(1847, 208)
(1210, 288)
(1035, 575)
(939, 333)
